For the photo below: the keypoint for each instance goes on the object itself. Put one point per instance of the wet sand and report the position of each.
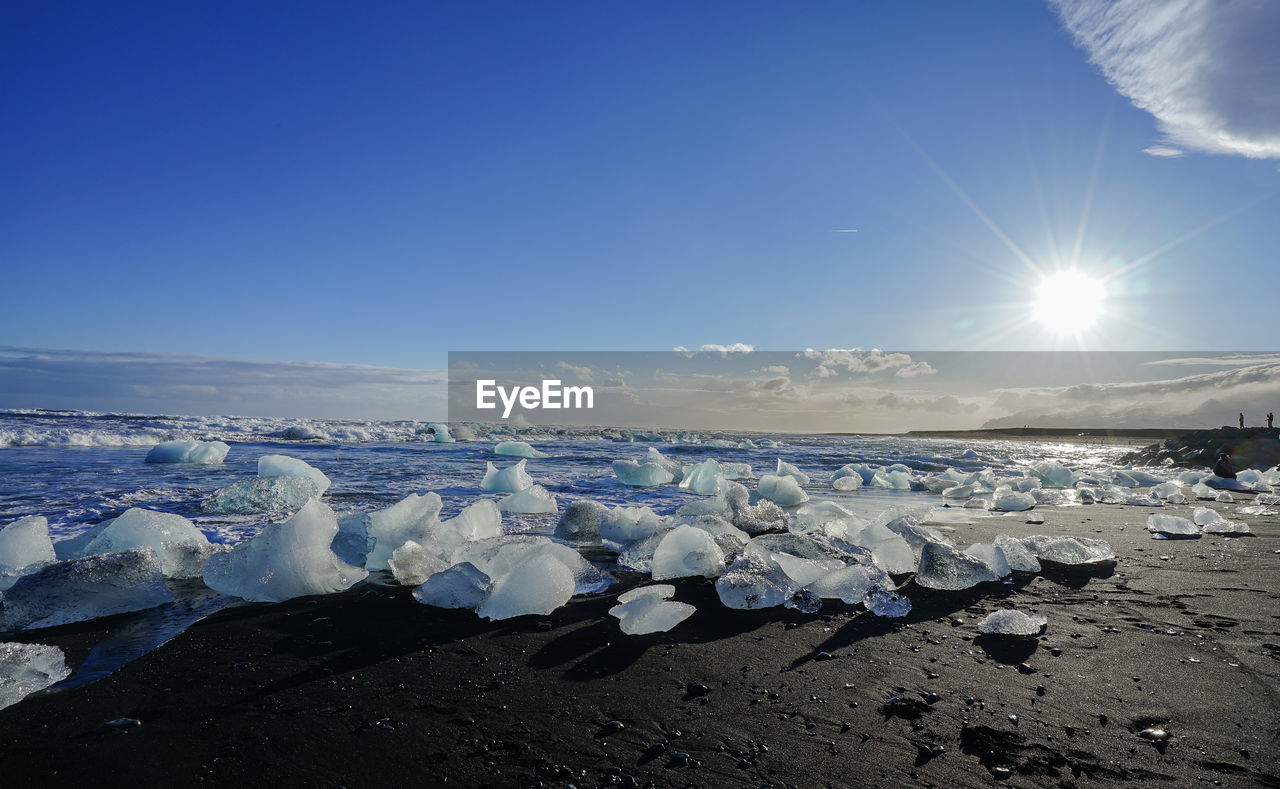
(369, 688)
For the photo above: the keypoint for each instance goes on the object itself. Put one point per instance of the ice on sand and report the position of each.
(1171, 526)
(261, 494)
(685, 551)
(412, 565)
(85, 588)
(181, 547)
(943, 567)
(641, 475)
(848, 483)
(24, 543)
(624, 525)
(1011, 622)
(479, 520)
(535, 500)
(1019, 557)
(889, 550)
(414, 518)
(517, 449)
(285, 560)
(26, 668)
(783, 491)
(497, 556)
(538, 586)
(1225, 526)
(883, 602)
(202, 452)
(850, 583)
(785, 469)
(1069, 550)
(285, 466)
(1203, 491)
(752, 582)
(580, 523)
(461, 586)
(648, 610)
(1053, 475)
(1012, 500)
(511, 479)
(703, 478)
(993, 556)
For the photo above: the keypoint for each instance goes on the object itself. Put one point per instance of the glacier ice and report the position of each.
(786, 469)
(1069, 550)
(850, 583)
(992, 556)
(889, 550)
(517, 449)
(648, 610)
(437, 432)
(1171, 526)
(539, 585)
(641, 475)
(26, 668)
(479, 520)
(285, 466)
(881, 601)
(285, 560)
(735, 470)
(461, 586)
(1225, 526)
(85, 588)
(847, 483)
(783, 491)
(411, 565)
(1011, 622)
(535, 500)
(580, 522)
(1224, 497)
(511, 479)
(203, 452)
(1012, 500)
(24, 543)
(685, 551)
(624, 525)
(180, 546)
(260, 494)
(703, 478)
(752, 582)
(498, 556)
(958, 492)
(1203, 491)
(654, 456)
(1053, 475)
(943, 567)
(891, 480)
(1223, 483)
(638, 556)
(1019, 557)
(414, 518)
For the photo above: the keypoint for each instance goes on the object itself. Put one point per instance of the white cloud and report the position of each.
(582, 371)
(1207, 70)
(1164, 152)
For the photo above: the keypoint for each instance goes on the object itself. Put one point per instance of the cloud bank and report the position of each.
(1208, 70)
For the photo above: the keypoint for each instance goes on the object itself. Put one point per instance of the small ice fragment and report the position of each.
(882, 602)
(785, 469)
(535, 500)
(1203, 516)
(891, 480)
(1035, 518)
(517, 449)
(202, 452)
(411, 565)
(1203, 491)
(538, 586)
(751, 582)
(285, 466)
(261, 494)
(460, 586)
(641, 475)
(783, 491)
(1224, 497)
(85, 588)
(26, 668)
(1226, 527)
(943, 567)
(580, 523)
(511, 479)
(850, 584)
(847, 483)
(1171, 526)
(991, 555)
(647, 610)
(1012, 622)
(958, 492)
(1069, 550)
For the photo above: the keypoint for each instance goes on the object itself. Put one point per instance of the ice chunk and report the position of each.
(685, 551)
(978, 504)
(580, 522)
(624, 525)
(261, 494)
(785, 469)
(943, 567)
(537, 586)
(1223, 483)
(638, 556)
(846, 480)
(640, 475)
(882, 602)
(1203, 491)
(654, 456)
(479, 520)
(1024, 484)
(535, 500)
(1069, 550)
(735, 470)
(23, 543)
(511, 479)
(958, 492)
(647, 610)
(783, 491)
(460, 586)
(1012, 501)
(824, 517)
(437, 432)
(850, 583)
(85, 588)
(1226, 527)
(285, 560)
(938, 483)
(863, 471)
(702, 478)
(1019, 557)
(1203, 516)
(1053, 475)
(751, 582)
(285, 466)
(498, 556)
(1087, 495)
(889, 550)
(891, 480)
(1166, 489)
(412, 565)
(26, 668)
(1224, 497)
(181, 547)
(204, 452)
(1011, 622)
(517, 449)
(412, 518)
(991, 555)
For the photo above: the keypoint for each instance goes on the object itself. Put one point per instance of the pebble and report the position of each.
(697, 689)
(1153, 734)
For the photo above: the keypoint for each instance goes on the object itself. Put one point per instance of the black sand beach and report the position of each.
(370, 688)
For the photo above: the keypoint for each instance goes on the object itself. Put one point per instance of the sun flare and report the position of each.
(1068, 302)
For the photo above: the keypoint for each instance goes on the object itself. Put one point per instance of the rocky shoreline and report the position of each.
(1250, 447)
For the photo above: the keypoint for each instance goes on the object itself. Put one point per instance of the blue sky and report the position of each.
(378, 184)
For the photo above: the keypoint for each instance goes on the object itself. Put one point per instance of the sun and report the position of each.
(1068, 302)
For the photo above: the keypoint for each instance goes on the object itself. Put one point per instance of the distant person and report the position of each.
(1270, 418)
(1242, 420)
(1223, 467)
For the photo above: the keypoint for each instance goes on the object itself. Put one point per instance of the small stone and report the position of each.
(823, 656)
(1154, 734)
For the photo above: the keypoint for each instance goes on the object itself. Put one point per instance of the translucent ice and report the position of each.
(785, 469)
(863, 471)
(654, 456)
(1053, 475)
(958, 492)
(638, 556)
(23, 543)
(783, 491)
(479, 520)
(686, 551)
(991, 555)
(411, 565)
(26, 668)
(460, 586)
(414, 518)
(1203, 491)
(1011, 622)
(1019, 557)
(181, 547)
(882, 602)
(537, 586)
(1166, 489)
(535, 500)
(751, 582)
(943, 567)
(285, 560)
(1225, 527)
(702, 478)
(641, 475)
(85, 588)
(1012, 501)
(850, 583)
(261, 494)
(889, 550)
(847, 483)
(508, 480)
(580, 522)
(1224, 497)
(206, 452)
(735, 470)
(891, 480)
(285, 466)
(624, 525)
(498, 556)
(517, 449)
(824, 517)
(1223, 483)
(647, 610)
(1068, 550)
